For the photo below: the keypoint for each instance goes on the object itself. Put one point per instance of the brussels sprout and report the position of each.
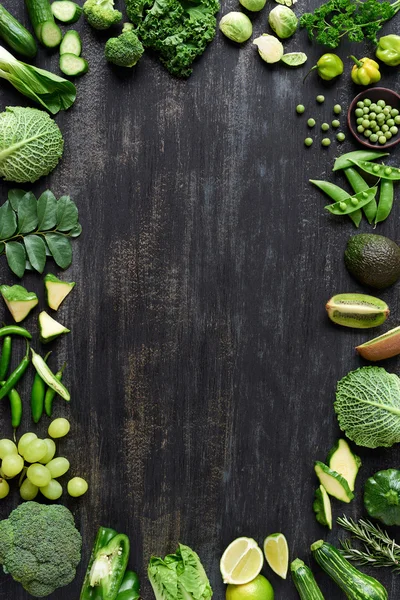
(236, 26)
(269, 48)
(283, 21)
(253, 5)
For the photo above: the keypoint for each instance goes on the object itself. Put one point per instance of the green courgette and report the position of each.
(15, 34)
(66, 11)
(322, 507)
(355, 585)
(304, 581)
(73, 65)
(333, 482)
(342, 460)
(42, 19)
(71, 43)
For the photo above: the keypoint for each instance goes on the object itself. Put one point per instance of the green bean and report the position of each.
(50, 393)
(15, 375)
(385, 200)
(37, 395)
(5, 356)
(359, 184)
(382, 171)
(344, 160)
(338, 194)
(345, 207)
(15, 330)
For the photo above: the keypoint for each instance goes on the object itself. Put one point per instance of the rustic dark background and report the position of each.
(201, 362)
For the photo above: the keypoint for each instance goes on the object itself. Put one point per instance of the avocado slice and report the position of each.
(342, 460)
(19, 301)
(49, 328)
(335, 484)
(322, 507)
(56, 290)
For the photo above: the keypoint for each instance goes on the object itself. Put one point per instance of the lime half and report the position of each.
(277, 553)
(257, 589)
(241, 562)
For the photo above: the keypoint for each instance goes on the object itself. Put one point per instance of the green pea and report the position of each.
(386, 111)
(360, 104)
(373, 137)
(390, 122)
(382, 140)
(388, 135)
(337, 109)
(372, 115)
(373, 106)
(394, 130)
(378, 110)
(340, 137)
(372, 124)
(308, 141)
(325, 127)
(359, 112)
(394, 112)
(367, 102)
(365, 123)
(300, 108)
(367, 133)
(354, 201)
(342, 206)
(326, 142)
(311, 122)
(364, 194)
(385, 128)
(397, 119)
(360, 129)
(376, 168)
(389, 107)
(388, 171)
(359, 120)
(381, 103)
(376, 129)
(320, 98)
(380, 118)
(366, 110)
(335, 123)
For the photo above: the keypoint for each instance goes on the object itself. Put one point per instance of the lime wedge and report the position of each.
(277, 553)
(241, 562)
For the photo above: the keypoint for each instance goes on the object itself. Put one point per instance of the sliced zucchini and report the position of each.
(335, 484)
(71, 43)
(322, 507)
(66, 11)
(73, 65)
(342, 460)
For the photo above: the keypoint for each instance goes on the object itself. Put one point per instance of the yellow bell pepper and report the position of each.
(365, 71)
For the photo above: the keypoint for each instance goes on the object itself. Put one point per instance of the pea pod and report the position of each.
(50, 393)
(49, 377)
(345, 207)
(37, 395)
(15, 375)
(359, 184)
(338, 194)
(15, 330)
(5, 357)
(385, 200)
(382, 171)
(346, 160)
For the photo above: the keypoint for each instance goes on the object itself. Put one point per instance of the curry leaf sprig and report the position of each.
(32, 229)
(334, 19)
(379, 549)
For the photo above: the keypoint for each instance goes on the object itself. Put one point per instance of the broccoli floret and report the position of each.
(101, 14)
(40, 547)
(124, 50)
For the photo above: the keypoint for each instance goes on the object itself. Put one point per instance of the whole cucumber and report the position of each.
(15, 34)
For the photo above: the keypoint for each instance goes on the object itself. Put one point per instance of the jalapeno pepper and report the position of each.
(328, 67)
(365, 71)
(107, 565)
(388, 50)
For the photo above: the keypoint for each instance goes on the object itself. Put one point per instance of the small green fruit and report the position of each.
(357, 310)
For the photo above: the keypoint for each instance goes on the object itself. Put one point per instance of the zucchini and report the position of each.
(342, 460)
(73, 65)
(71, 43)
(333, 482)
(66, 11)
(304, 581)
(322, 507)
(355, 585)
(15, 34)
(46, 29)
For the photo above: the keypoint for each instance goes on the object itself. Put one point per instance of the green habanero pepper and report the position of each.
(328, 67)
(365, 71)
(388, 50)
(107, 566)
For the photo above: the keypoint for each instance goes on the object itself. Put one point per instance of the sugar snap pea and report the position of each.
(382, 171)
(49, 377)
(15, 375)
(385, 200)
(5, 356)
(37, 395)
(338, 194)
(359, 184)
(345, 207)
(15, 330)
(344, 161)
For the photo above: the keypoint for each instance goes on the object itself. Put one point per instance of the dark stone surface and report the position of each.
(201, 363)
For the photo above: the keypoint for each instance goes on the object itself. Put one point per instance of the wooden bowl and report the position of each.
(374, 94)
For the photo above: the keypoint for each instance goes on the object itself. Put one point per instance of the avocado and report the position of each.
(373, 260)
(56, 290)
(49, 328)
(19, 301)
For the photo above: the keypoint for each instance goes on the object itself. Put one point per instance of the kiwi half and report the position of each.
(357, 310)
(381, 347)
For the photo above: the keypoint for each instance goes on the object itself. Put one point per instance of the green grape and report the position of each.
(77, 487)
(12, 465)
(4, 489)
(7, 447)
(51, 450)
(59, 428)
(28, 491)
(35, 450)
(52, 491)
(39, 475)
(25, 440)
(58, 467)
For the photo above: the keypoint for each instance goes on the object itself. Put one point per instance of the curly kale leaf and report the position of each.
(368, 407)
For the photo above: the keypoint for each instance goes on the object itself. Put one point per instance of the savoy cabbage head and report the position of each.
(31, 144)
(368, 407)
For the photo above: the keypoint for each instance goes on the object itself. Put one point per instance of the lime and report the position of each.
(241, 562)
(277, 553)
(258, 589)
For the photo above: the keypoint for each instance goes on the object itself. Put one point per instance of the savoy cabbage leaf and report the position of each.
(368, 407)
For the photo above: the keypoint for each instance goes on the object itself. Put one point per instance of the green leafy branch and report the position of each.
(33, 229)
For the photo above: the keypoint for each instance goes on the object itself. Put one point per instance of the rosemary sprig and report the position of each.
(379, 549)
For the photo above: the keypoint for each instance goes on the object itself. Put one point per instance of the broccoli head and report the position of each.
(101, 14)
(40, 547)
(124, 50)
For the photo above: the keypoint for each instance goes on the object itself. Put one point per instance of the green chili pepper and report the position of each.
(5, 356)
(385, 200)
(346, 160)
(345, 207)
(328, 67)
(359, 184)
(37, 395)
(50, 393)
(128, 595)
(16, 406)
(49, 377)
(338, 194)
(14, 330)
(382, 171)
(15, 375)
(388, 50)
(130, 587)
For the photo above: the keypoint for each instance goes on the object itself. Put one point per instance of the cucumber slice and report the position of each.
(335, 484)
(73, 65)
(66, 11)
(322, 507)
(342, 460)
(50, 34)
(71, 43)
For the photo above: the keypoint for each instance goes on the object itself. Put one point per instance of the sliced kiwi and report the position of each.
(381, 347)
(357, 310)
